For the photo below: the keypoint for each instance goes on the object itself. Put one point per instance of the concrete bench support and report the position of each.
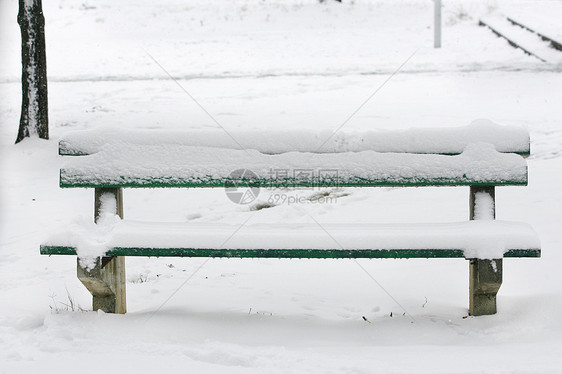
(106, 281)
(485, 282)
(485, 276)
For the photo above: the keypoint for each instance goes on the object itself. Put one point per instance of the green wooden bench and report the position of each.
(480, 156)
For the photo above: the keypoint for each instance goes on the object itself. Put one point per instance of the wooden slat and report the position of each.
(286, 253)
(187, 166)
(446, 141)
(70, 180)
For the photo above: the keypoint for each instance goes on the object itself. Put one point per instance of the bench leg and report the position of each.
(485, 281)
(106, 281)
(485, 275)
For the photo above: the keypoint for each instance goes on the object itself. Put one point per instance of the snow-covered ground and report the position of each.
(279, 65)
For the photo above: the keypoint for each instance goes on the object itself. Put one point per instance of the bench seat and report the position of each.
(472, 239)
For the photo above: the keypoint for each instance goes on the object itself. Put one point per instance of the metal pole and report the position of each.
(437, 24)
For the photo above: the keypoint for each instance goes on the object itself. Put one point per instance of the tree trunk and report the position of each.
(34, 114)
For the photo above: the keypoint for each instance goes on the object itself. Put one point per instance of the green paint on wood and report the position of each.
(70, 180)
(286, 253)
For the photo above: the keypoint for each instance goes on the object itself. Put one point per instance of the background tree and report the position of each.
(34, 114)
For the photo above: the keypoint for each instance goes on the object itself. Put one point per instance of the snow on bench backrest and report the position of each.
(449, 141)
(173, 165)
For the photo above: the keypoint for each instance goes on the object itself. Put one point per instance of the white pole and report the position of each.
(437, 25)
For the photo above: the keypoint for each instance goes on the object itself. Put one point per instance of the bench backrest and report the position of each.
(445, 141)
(482, 153)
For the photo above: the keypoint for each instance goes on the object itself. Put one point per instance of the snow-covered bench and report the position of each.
(482, 155)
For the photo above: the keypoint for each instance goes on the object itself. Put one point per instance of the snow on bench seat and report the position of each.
(485, 239)
(505, 139)
(177, 165)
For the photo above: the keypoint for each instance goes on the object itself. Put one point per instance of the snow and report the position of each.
(528, 40)
(33, 109)
(485, 240)
(538, 21)
(92, 238)
(126, 164)
(278, 66)
(484, 206)
(415, 140)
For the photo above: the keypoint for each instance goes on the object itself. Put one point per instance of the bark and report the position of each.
(34, 111)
